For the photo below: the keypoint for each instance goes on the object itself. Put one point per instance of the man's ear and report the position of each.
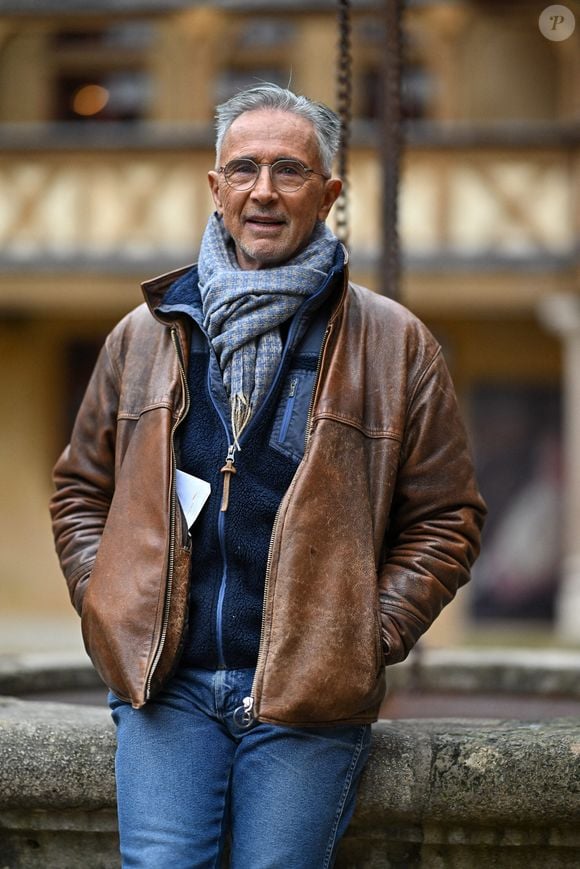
(332, 189)
(214, 185)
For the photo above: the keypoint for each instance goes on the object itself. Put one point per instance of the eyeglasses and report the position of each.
(287, 176)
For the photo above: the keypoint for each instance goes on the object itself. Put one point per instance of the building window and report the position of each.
(417, 81)
(122, 95)
(266, 33)
(232, 81)
(260, 52)
(518, 451)
(101, 73)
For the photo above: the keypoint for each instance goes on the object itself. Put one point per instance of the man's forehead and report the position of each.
(266, 125)
(256, 117)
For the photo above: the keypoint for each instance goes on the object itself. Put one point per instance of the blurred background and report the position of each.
(106, 136)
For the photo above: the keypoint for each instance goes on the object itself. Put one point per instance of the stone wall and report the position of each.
(57, 787)
(446, 794)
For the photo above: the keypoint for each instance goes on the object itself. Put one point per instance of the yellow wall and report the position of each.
(32, 381)
(29, 573)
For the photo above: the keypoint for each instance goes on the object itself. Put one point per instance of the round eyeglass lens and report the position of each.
(288, 175)
(241, 174)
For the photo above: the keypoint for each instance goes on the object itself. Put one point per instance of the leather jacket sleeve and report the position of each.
(436, 517)
(84, 479)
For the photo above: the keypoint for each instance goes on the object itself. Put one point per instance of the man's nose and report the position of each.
(263, 189)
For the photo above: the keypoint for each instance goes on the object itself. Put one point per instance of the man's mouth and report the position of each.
(264, 220)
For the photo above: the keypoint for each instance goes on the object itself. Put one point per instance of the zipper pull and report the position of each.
(244, 715)
(227, 470)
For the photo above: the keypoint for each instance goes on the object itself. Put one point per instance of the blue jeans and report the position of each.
(187, 775)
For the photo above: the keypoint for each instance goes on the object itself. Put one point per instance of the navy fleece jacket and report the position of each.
(230, 549)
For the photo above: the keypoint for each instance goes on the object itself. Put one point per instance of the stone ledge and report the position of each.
(502, 671)
(478, 773)
(46, 671)
(55, 756)
(445, 793)
(537, 672)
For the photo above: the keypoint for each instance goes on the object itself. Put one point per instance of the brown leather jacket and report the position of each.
(376, 532)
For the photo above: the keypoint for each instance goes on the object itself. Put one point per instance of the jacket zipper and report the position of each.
(228, 470)
(172, 519)
(246, 714)
(316, 384)
(288, 410)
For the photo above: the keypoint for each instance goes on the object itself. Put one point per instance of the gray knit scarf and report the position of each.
(243, 310)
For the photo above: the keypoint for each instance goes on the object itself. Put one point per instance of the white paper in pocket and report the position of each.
(192, 493)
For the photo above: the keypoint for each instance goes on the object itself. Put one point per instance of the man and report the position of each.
(245, 646)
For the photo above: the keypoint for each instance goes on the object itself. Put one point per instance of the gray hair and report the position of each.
(270, 96)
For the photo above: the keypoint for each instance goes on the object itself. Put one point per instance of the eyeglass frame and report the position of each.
(222, 170)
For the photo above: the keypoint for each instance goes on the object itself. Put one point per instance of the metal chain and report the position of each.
(391, 146)
(344, 100)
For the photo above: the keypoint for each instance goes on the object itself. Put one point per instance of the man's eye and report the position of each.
(288, 170)
(242, 167)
